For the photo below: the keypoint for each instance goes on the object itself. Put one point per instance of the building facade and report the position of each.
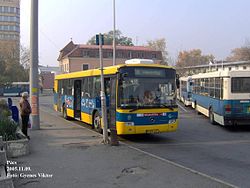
(77, 57)
(10, 28)
(188, 71)
(46, 76)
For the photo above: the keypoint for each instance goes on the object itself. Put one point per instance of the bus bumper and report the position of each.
(123, 129)
(244, 120)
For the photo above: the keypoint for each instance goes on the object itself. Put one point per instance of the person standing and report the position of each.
(25, 111)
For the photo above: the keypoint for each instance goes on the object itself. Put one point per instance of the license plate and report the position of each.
(153, 131)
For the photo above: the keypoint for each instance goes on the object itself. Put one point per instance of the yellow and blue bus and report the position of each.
(77, 95)
(185, 90)
(223, 96)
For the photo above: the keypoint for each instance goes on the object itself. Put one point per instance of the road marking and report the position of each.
(159, 158)
(181, 166)
(181, 107)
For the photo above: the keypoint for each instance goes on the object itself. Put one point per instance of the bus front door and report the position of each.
(112, 104)
(59, 91)
(77, 99)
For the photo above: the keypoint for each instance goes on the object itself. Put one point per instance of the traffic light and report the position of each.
(97, 40)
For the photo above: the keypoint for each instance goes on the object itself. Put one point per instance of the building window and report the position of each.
(6, 9)
(85, 53)
(12, 10)
(120, 55)
(67, 67)
(244, 67)
(142, 55)
(110, 54)
(129, 54)
(153, 56)
(97, 54)
(8, 37)
(64, 68)
(85, 67)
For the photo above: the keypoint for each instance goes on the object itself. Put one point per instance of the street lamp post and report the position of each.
(113, 132)
(102, 95)
(34, 91)
(114, 46)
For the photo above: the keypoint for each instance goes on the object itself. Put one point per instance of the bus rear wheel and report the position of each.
(97, 122)
(196, 108)
(211, 117)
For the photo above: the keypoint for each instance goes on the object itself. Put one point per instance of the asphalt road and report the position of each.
(211, 149)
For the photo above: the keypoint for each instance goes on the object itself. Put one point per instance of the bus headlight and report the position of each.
(172, 121)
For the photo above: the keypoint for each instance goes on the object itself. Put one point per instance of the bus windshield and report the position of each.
(146, 92)
(240, 85)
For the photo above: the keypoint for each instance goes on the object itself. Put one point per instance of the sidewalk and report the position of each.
(71, 156)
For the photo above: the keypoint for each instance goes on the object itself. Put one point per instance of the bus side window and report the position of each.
(60, 87)
(85, 93)
(90, 87)
(97, 86)
(107, 86)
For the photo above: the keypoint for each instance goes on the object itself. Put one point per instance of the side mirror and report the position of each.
(124, 75)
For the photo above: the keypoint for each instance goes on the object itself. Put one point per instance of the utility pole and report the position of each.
(103, 97)
(113, 132)
(114, 34)
(34, 90)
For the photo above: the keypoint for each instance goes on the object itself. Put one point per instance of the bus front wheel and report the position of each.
(196, 108)
(211, 117)
(97, 122)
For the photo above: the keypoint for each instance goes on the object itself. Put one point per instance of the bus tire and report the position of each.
(97, 122)
(65, 116)
(211, 117)
(195, 107)
(184, 101)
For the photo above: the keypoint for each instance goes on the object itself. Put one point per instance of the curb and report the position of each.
(6, 182)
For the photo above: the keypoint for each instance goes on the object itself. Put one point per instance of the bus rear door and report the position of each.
(77, 99)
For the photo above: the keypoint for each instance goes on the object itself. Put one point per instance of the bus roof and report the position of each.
(107, 70)
(222, 73)
(187, 78)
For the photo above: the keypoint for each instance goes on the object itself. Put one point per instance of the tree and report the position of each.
(159, 45)
(240, 54)
(108, 39)
(25, 57)
(11, 70)
(192, 58)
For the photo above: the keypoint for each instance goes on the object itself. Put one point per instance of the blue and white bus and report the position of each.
(15, 88)
(223, 96)
(185, 90)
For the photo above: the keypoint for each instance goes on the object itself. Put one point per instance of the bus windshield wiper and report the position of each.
(134, 109)
(171, 107)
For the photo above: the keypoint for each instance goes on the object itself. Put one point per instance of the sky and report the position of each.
(214, 26)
